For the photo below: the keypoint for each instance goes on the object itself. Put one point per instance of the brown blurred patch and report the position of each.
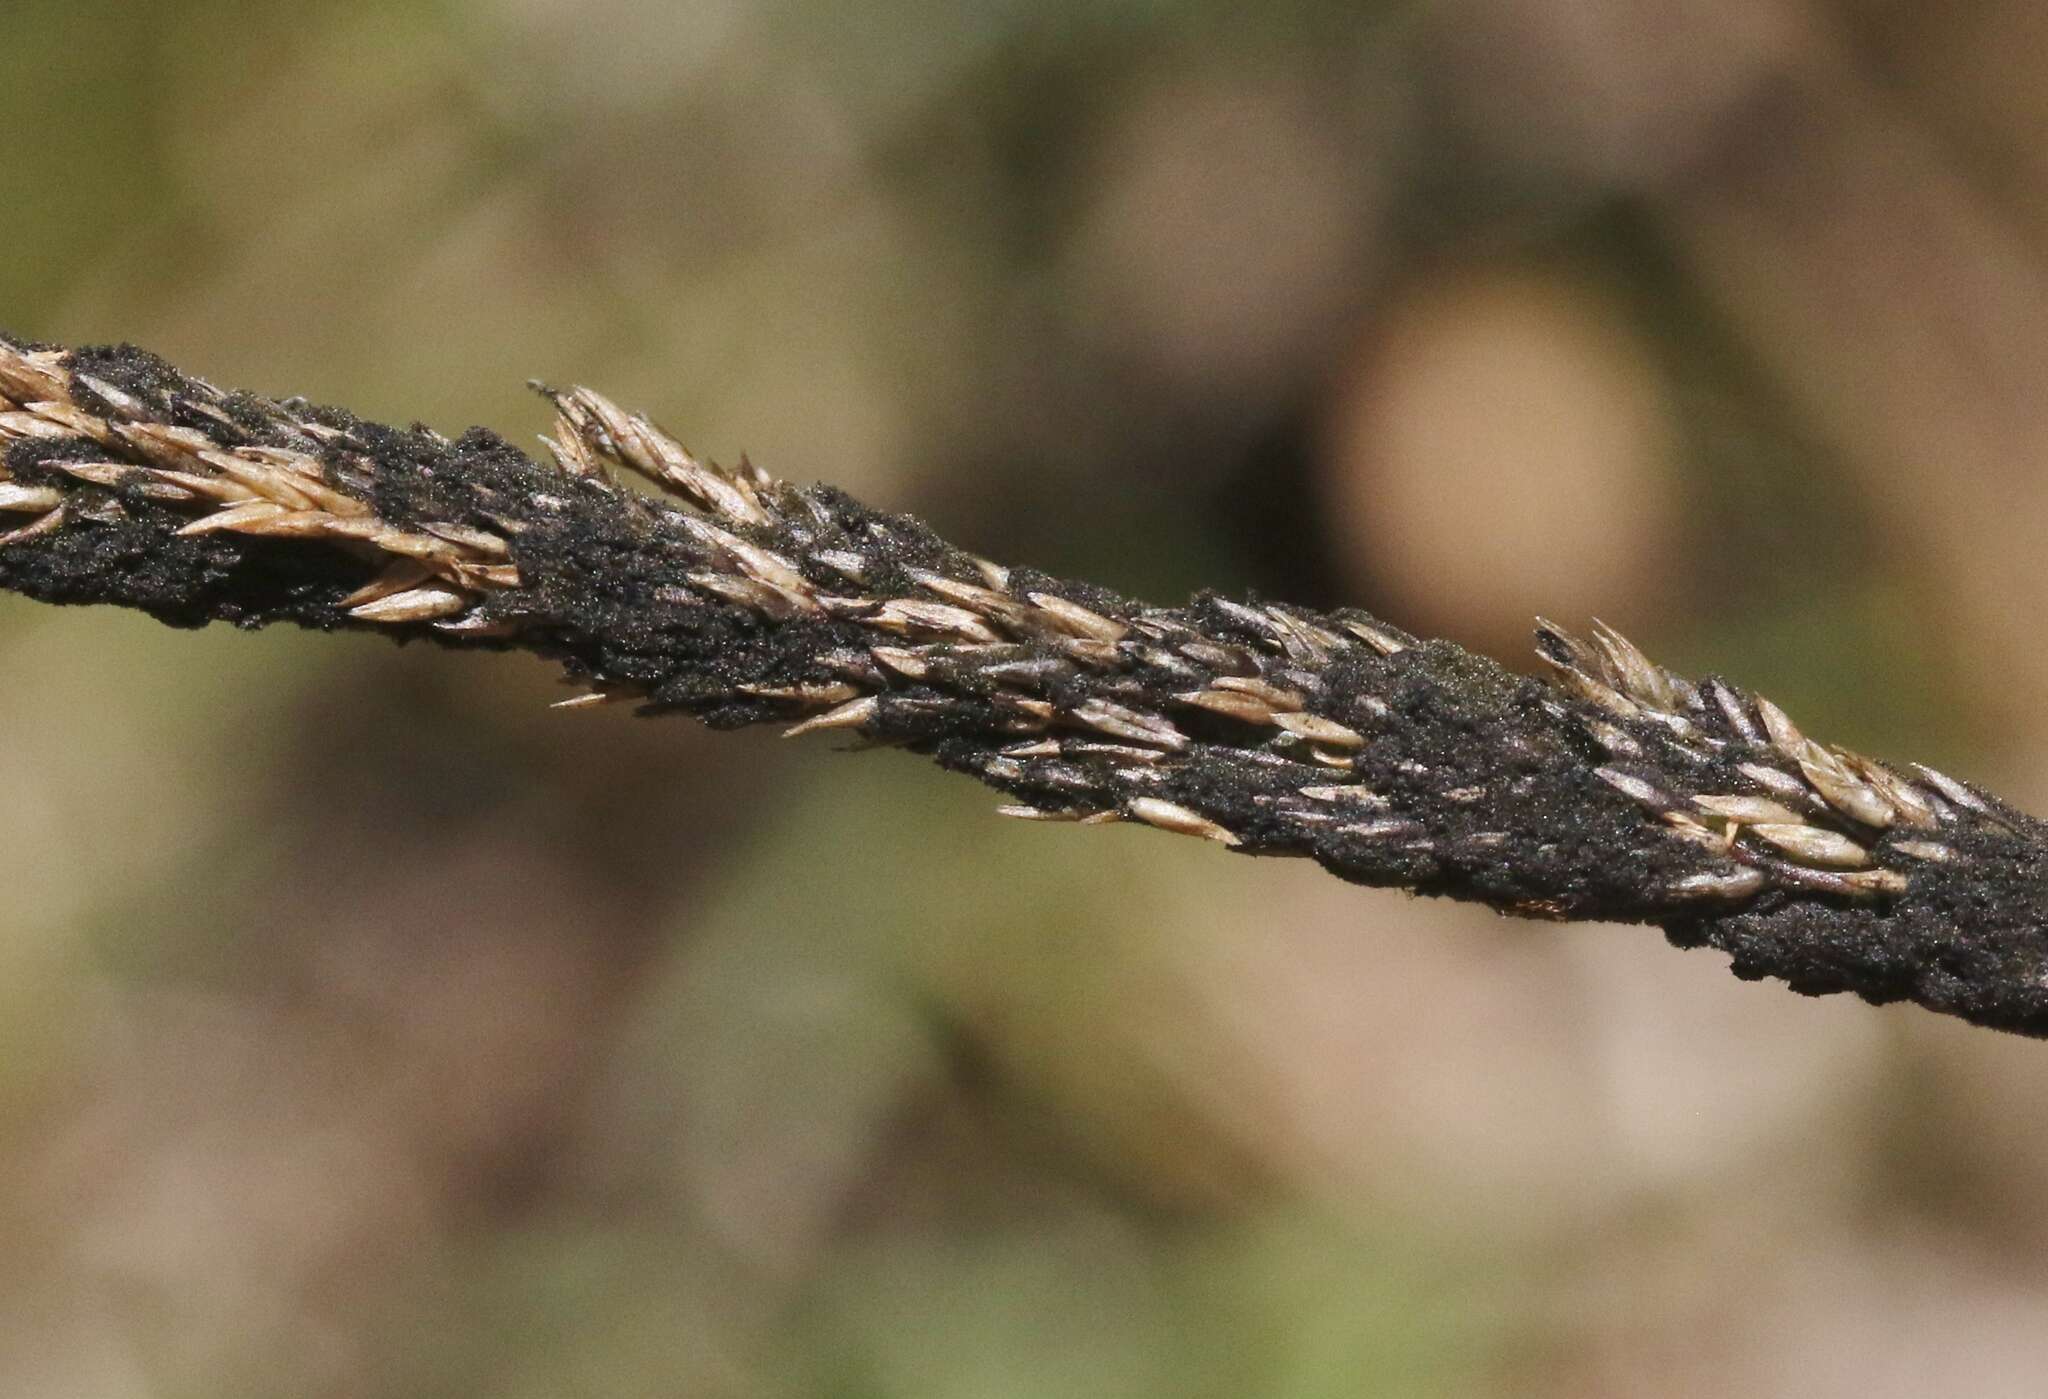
(1504, 448)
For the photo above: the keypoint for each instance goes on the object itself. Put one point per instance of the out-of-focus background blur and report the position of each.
(368, 1030)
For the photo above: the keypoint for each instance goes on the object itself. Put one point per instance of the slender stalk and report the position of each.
(1613, 790)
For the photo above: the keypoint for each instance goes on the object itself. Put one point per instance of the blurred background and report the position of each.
(367, 1029)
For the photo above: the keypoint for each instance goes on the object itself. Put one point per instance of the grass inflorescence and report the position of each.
(1613, 789)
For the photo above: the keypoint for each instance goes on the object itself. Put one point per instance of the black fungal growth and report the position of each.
(1614, 790)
